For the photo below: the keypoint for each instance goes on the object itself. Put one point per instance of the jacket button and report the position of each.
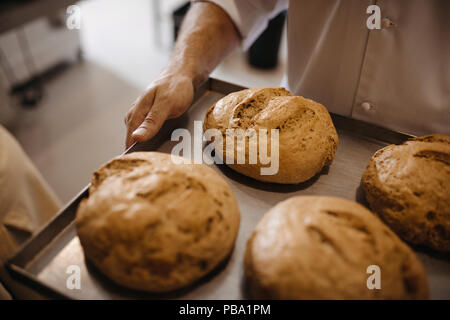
(366, 106)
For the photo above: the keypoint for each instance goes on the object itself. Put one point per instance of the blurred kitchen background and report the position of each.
(64, 92)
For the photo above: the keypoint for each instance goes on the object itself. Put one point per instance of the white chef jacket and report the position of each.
(397, 76)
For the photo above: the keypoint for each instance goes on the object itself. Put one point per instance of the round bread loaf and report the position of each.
(321, 248)
(408, 185)
(153, 225)
(307, 137)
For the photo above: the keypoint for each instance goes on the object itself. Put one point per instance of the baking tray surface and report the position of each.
(43, 261)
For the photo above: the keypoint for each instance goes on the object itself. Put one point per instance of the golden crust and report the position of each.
(308, 139)
(153, 225)
(320, 247)
(408, 185)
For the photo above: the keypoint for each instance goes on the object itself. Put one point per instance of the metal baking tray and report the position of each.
(43, 261)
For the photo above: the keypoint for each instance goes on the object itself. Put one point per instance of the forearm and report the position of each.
(207, 35)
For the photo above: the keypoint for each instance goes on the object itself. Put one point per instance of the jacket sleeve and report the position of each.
(251, 16)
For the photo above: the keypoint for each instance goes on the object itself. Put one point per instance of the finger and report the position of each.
(130, 128)
(129, 140)
(140, 110)
(137, 114)
(152, 123)
(129, 114)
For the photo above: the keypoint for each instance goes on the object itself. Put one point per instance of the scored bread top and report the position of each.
(153, 225)
(307, 137)
(316, 247)
(408, 185)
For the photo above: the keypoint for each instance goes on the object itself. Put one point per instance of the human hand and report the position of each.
(167, 97)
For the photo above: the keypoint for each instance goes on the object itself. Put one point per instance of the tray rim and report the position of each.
(17, 264)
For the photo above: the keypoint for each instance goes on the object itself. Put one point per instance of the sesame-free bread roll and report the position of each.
(307, 137)
(153, 225)
(408, 185)
(316, 247)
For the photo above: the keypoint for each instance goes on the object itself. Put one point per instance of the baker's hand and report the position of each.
(167, 97)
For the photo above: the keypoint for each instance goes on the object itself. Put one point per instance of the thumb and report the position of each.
(151, 124)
